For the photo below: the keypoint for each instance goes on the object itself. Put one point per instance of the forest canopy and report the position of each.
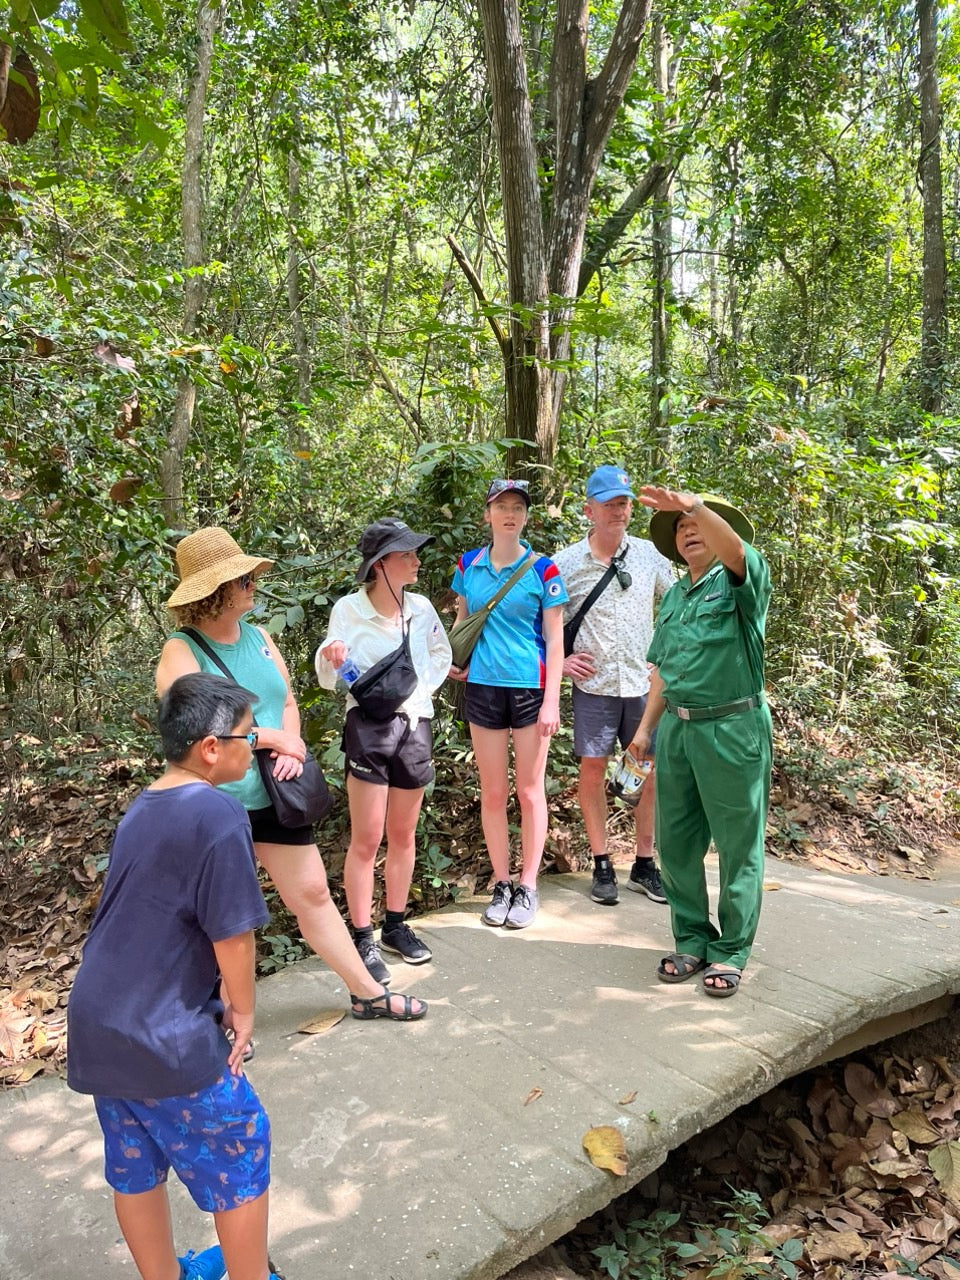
(287, 268)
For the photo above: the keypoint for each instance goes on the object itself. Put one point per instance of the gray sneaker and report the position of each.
(645, 878)
(604, 887)
(523, 908)
(500, 904)
(369, 953)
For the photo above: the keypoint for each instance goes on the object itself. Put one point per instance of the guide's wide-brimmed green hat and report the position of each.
(664, 523)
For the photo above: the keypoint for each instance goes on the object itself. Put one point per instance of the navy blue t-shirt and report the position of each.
(142, 1015)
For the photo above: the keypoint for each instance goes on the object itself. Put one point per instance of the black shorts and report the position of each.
(265, 829)
(388, 753)
(492, 706)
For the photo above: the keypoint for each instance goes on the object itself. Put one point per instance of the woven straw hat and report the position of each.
(664, 523)
(206, 560)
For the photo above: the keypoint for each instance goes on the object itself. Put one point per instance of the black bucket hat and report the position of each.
(384, 536)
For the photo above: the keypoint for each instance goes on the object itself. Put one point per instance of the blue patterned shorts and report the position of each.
(217, 1140)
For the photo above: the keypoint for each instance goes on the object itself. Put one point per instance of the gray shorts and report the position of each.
(599, 720)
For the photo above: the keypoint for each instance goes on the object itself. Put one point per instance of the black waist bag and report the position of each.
(381, 691)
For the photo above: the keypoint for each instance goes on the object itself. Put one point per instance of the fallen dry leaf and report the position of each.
(945, 1163)
(837, 1246)
(627, 1098)
(605, 1146)
(535, 1093)
(322, 1022)
(915, 1125)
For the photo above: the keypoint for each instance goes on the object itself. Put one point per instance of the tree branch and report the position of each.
(408, 412)
(474, 281)
(615, 226)
(611, 84)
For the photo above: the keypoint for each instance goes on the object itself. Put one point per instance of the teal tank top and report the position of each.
(251, 664)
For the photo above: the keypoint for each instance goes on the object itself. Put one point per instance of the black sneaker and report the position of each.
(402, 941)
(369, 953)
(645, 878)
(604, 887)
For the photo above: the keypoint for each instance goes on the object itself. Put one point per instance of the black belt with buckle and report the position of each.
(715, 713)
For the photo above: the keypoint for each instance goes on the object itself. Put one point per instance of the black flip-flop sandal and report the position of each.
(730, 976)
(685, 966)
(382, 1007)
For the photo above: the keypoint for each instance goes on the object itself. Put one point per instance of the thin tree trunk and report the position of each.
(934, 316)
(294, 293)
(209, 17)
(661, 247)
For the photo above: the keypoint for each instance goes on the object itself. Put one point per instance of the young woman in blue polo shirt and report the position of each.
(513, 687)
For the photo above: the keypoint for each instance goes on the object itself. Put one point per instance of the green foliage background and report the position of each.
(793, 383)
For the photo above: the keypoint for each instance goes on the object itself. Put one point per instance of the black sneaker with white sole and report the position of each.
(645, 878)
(604, 888)
(402, 941)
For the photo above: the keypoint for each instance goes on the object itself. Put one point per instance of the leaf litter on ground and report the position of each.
(858, 1161)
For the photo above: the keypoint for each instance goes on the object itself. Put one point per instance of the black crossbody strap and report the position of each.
(573, 626)
(201, 643)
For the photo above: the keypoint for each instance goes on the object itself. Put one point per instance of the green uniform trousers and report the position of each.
(713, 780)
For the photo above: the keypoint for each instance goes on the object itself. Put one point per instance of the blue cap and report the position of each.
(607, 483)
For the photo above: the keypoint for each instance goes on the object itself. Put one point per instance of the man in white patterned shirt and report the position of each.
(609, 668)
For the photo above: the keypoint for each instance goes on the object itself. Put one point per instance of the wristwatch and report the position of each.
(696, 508)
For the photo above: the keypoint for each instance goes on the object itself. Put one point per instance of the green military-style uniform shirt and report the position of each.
(708, 644)
(713, 768)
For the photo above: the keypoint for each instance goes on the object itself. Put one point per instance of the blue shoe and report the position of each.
(208, 1265)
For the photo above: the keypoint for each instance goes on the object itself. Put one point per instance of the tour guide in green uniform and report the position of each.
(714, 743)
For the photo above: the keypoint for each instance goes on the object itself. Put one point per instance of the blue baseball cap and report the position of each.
(607, 483)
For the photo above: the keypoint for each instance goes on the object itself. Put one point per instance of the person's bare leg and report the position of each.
(243, 1238)
(145, 1221)
(490, 752)
(298, 873)
(591, 792)
(643, 819)
(368, 814)
(530, 748)
(403, 810)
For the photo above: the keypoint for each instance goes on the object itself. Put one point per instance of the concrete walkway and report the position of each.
(410, 1152)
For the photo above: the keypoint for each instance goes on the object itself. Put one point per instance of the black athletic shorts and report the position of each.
(388, 753)
(265, 829)
(492, 706)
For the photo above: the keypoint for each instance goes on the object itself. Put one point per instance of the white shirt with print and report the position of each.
(618, 627)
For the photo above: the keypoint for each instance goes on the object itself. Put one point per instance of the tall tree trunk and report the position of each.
(192, 204)
(661, 253)
(294, 295)
(544, 257)
(934, 316)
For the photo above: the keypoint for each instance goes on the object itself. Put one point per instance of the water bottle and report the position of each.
(348, 671)
(626, 781)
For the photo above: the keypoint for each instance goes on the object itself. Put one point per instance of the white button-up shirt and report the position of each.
(369, 636)
(617, 628)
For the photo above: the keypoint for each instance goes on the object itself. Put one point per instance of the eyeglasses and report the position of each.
(246, 581)
(250, 737)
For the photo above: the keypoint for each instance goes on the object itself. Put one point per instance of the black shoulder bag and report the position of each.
(571, 628)
(298, 802)
(382, 691)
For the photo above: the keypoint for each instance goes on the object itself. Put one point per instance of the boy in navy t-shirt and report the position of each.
(146, 1025)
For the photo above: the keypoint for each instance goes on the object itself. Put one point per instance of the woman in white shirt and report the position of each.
(387, 762)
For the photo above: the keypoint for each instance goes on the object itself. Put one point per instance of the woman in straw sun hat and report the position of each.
(217, 585)
(714, 743)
